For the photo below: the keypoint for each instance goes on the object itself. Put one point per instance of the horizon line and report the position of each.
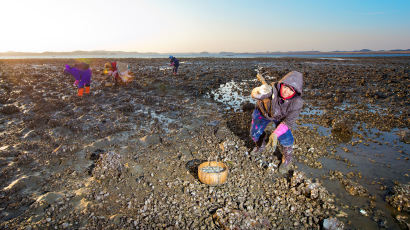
(203, 52)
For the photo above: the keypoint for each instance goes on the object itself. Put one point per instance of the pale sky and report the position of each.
(207, 25)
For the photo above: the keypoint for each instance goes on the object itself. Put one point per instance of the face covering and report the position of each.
(282, 90)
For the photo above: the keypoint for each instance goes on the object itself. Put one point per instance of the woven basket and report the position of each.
(213, 178)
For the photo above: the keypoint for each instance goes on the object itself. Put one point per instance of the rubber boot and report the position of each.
(87, 89)
(80, 92)
(260, 144)
(287, 153)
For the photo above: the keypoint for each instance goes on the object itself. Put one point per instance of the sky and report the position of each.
(208, 25)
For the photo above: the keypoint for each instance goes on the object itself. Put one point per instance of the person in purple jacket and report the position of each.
(82, 74)
(281, 104)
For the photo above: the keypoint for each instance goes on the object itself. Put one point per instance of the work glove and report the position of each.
(272, 143)
(261, 92)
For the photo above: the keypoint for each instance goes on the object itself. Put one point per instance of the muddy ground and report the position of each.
(126, 157)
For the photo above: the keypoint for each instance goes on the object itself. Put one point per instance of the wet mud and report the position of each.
(127, 156)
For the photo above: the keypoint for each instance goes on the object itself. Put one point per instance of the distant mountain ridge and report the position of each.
(224, 53)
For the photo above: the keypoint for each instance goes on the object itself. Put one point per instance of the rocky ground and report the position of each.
(126, 157)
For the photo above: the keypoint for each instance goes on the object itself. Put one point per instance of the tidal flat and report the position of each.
(126, 156)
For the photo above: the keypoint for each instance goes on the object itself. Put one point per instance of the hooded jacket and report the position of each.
(81, 72)
(281, 110)
(174, 61)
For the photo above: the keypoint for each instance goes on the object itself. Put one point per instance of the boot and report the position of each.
(80, 92)
(287, 153)
(260, 144)
(87, 89)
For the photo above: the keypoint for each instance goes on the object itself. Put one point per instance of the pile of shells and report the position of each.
(109, 165)
(353, 188)
(400, 198)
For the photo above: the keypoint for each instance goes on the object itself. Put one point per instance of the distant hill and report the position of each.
(77, 52)
(223, 53)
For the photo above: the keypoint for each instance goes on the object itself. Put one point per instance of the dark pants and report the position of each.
(175, 69)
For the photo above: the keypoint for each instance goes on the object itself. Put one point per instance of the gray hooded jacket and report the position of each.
(278, 109)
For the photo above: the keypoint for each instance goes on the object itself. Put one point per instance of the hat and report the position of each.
(108, 65)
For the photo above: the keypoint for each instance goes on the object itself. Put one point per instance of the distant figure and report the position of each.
(110, 68)
(82, 74)
(119, 72)
(281, 104)
(174, 62)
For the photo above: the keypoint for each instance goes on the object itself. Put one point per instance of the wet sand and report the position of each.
(126, 156)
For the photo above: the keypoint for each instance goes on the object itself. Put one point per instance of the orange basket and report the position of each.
(212, 176)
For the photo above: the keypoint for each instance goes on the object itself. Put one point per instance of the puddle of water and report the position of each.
(336, 59)
(164, 68)
(323, 131)
(370, 108)
(381, 165)
(164, 118)
(311, 111)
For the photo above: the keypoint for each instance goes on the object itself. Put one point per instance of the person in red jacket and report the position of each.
(112, 70)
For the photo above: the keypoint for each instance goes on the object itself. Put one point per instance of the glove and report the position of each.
(76, 82)
(261, 92)
(272, 143)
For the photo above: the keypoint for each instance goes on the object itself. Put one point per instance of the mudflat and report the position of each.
(126, 156)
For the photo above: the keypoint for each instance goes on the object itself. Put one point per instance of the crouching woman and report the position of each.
(279, 103)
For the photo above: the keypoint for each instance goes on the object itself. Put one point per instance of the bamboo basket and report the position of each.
(213, 178)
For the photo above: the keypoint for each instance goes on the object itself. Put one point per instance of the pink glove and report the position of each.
(281, 129)
(76, 82)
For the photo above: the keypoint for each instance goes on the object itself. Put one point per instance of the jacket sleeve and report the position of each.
(293, 113)
(73, 71)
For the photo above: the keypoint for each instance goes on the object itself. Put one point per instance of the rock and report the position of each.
(116, 218)
(404, 136)
(24, 183)
(9, 109)
(400, 199)
(247, 106)
(30, 135)
(109, 166)
(150, 140)
(186, 152)
(332, 223)
(136, 170)
(50, 197)
(342, 129)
